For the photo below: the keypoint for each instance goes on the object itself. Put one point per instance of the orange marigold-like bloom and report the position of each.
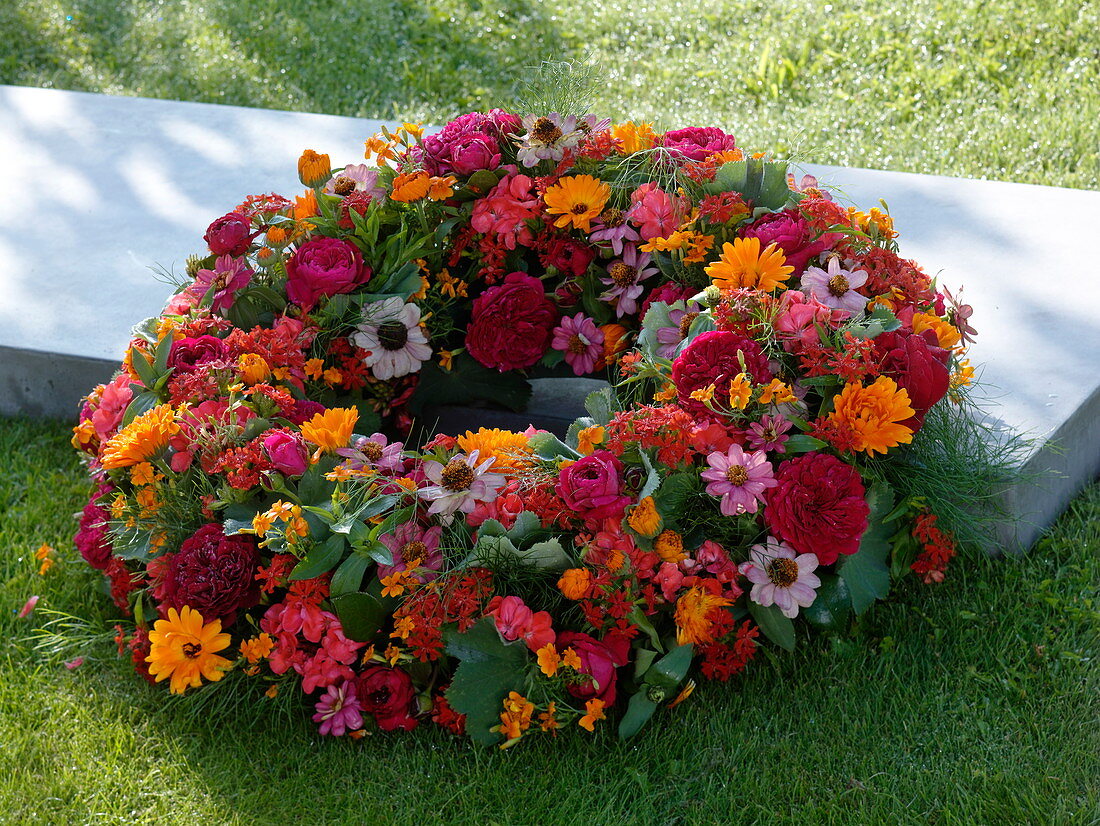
(577, 199)
(634, 137)
(670, 546)
(548, 720)
(589, 437)
(516, 717)
(593, 711)
(411, 186)
(305, 206)
(439, 189)
(509, 450)
(644, 518)
(740, 391)
(614, 342)
(693, 621)
(184, 649)
(142, 439)
(549, 659)
(331, 429)
(777, 392)
(743, 265)
(947, 334)
(575, 582)
(253, 368)
(314, 168)
(873, 414)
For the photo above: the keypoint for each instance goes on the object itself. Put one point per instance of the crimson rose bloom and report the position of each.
(388, 695)
(599, 659)
(213, 573)
(818, 506)
(591, 486)
(322, 267)
(91, 539)
(569, 257)
(230, 235)
(512, 324)
(711, 358)
(696, 143)
(792, 233)
(919, 365)
(287, 452)
(189, 353)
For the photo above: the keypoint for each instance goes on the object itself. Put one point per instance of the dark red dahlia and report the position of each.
(818, 506)
(213, 573)
(712, 358)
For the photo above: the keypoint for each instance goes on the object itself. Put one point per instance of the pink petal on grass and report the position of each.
(75, 663)
(28, 607)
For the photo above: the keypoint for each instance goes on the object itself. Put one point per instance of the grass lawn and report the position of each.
(973, 702)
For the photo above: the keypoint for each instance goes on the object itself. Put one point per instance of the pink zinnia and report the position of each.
(409, 543)
(338, 711)
(770, 433)
(781, 577)
(581, 341)
(739, 478)
(613, 227)
(229, 275)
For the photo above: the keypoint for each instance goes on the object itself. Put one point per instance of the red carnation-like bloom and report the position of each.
(213, 573)
(711, 358)
(818, 506)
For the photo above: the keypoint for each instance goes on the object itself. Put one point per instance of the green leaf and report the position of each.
(669, 671)
(638, 711)
(321, 559)
(349, 576)
(143, 368)
(548, 555)
(599, 404)
(673, 493)
(832, 606)
(313, 487)
(776, 627)
(466, 382)
(360, 614)
(488, 670)
(141, 403)
(801, 443)
(865, 572)
(638, 617)
(774, 191)
(548, 446)
(232, 527)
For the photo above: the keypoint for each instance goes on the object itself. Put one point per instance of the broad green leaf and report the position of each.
(865, 572)
(321, 559)
(638, 711)
(549, 446)
(548, 555)
(349, 576)
(832, 606)
(599, 404)
(669, 671)
(361, 615)
(801, 443)
(776, 627)
(142, 403)
(488, 670)
(146, 372)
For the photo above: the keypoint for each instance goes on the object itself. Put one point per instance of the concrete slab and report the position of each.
(108, 187)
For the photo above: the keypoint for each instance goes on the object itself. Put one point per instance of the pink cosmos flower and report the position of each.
(613, 227)
(656, 213)
(374, 451)
(782, 577)
(681, 314)
(460, 484)
(770, 433)
(581, 341)
(411, 542)
(505, 211)
(836, 288)
(740, 478)
(356, 177)
(624, 277)
(338, 710)
(229, 275)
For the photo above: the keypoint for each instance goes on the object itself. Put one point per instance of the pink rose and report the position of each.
(323, 267)
(599, 659)
(112, 407)
(230, 235)
(798, 317)
(512, 323)
(287, 452)
(189, 353)
(696, 143)
(792, 233)
(592, 487)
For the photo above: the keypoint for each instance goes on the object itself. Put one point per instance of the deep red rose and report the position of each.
(304, 410)
(91, 539)
(790, 231)
(919, 365)
(666, 293)
(388, 695)
(213, 573)
(230, 235)
(696, 143)
(599, 659)
(189, 353)
(711, 358)
(322, 267)
(818, 506)
(511, 324)
(568, 256)
(592, 487)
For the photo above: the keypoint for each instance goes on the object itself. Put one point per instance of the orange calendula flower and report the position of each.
(743, 265)
(693, 621)
(305, 206)
(593, 711)
(669, 545)
(142, 439)
(577, 199)
(257, 648)
(314, 168)
(634, 137)
(614, 342)
(644, 518)
(411, 186)
(509, 450)
(575, 582)
(184, 649)
(331, 429)
(549, 659)
(589, 437)
(873, 414)
(253, 368)
(740, 391)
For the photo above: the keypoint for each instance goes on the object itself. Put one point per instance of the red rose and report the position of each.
(711, 358)
(92, 539)
(818, 506)
(592, 487)
(919, 365)
(213, 573)
(599, 659)
(388, 695)
(322, 267)
(568, 257)
(189, 353)
(230, 235)
(511, 324)
(791, 232)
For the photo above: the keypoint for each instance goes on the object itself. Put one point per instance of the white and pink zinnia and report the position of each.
(782, 577)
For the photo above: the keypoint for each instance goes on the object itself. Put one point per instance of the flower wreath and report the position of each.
(264, 512)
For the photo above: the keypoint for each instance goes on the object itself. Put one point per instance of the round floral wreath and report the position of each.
(771, 357)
